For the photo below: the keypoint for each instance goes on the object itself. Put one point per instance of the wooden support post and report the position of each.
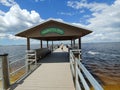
(80, 56)
(76, 75)
(5, 72)
(52, 45)
(79, 43)
(74, 42)
(41, 44)
(71, 43)
(47, 44)
(28, 43)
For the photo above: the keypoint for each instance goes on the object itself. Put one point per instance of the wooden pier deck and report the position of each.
(50, 75)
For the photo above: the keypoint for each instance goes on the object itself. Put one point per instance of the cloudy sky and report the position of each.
(100, 16)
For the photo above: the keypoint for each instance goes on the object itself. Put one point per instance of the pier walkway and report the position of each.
(53, 74)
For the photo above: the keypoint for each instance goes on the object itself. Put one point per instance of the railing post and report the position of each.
(26, 62)
(35, 58)
(5, 72)
(80, 57)
(76, 76)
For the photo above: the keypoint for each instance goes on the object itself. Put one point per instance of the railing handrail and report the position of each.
(11, 69)
(16, 61)
(26, 62)
(91, 79)
(14, 55)
(31, 53)
(17, 70)
(77, 67)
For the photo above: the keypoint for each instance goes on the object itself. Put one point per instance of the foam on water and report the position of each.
(93, 53)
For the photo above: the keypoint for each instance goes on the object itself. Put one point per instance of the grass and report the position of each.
(109, 87)
(16, 76)
(13, 78)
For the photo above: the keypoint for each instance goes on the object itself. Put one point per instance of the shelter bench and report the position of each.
(42, 52)
(36, 54)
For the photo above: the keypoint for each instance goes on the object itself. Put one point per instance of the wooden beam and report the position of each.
(28, 43)
(41, 44)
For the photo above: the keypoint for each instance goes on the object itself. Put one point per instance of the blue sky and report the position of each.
(100, 16)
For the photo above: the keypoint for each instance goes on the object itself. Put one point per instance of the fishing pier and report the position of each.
(48, 68)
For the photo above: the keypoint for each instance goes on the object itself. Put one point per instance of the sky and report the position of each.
(100, 16)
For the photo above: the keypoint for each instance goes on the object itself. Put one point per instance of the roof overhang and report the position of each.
(70, 31)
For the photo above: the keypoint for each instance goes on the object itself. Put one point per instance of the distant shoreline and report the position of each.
(57, 43)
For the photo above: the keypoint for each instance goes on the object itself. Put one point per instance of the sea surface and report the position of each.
(101, 59)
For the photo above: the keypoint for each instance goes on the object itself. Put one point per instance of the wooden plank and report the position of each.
(49, 76)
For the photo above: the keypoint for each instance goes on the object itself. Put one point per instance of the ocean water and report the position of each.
(16, 51)
(101, 59)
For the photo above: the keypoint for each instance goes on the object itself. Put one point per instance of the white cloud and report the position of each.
(2, 35)
(86, 16)
(2, 13)
(66, 13)
(17, 19)
(84, 4)
(82, 11)
(10, 36)
(39, 0)
(57, 19)
(105, 21)
(8, 2)
(79, 25)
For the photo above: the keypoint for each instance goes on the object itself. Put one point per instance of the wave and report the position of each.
(115, 55)
(105, 54)
(93, 53)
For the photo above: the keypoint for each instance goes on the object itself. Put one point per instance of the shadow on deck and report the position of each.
(55, 57)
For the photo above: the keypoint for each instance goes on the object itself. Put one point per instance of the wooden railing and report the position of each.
(4, 72)
(80, 73)
(1, 74)
(16, 69)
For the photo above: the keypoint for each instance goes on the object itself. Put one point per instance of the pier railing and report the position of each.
(16, 69)
(4, 72)
(82, 78)
(1, 73)
(31, 60)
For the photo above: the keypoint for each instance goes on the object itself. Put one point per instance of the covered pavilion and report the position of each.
(54, 30)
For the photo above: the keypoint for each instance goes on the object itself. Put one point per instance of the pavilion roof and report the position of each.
(54, 30)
